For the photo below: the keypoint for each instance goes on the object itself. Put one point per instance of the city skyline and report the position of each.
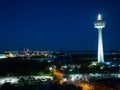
(57, 25)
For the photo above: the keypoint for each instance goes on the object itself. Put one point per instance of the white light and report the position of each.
(64, 79)
(50, 68)
(99, 17)
(3, 56)
(8, 79)
(73, 78)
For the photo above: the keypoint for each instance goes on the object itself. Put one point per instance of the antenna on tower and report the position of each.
(99, 17)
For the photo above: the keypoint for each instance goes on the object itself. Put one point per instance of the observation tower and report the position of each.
(100, 24)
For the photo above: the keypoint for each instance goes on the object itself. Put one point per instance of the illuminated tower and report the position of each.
(100, 24)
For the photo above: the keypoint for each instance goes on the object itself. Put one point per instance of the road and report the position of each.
(84, 84)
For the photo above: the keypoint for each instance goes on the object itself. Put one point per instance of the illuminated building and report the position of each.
(100, 24)
(2, 56)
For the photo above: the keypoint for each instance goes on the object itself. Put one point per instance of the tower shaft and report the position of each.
(100, 46)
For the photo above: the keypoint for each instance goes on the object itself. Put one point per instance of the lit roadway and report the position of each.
(59, 76)
(84, 84)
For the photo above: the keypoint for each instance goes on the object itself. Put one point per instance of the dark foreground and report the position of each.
(8, 86)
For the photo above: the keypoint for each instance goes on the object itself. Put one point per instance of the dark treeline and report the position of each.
(22, 67)
(32, 66)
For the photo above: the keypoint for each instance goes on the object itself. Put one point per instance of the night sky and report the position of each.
(58, 24)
